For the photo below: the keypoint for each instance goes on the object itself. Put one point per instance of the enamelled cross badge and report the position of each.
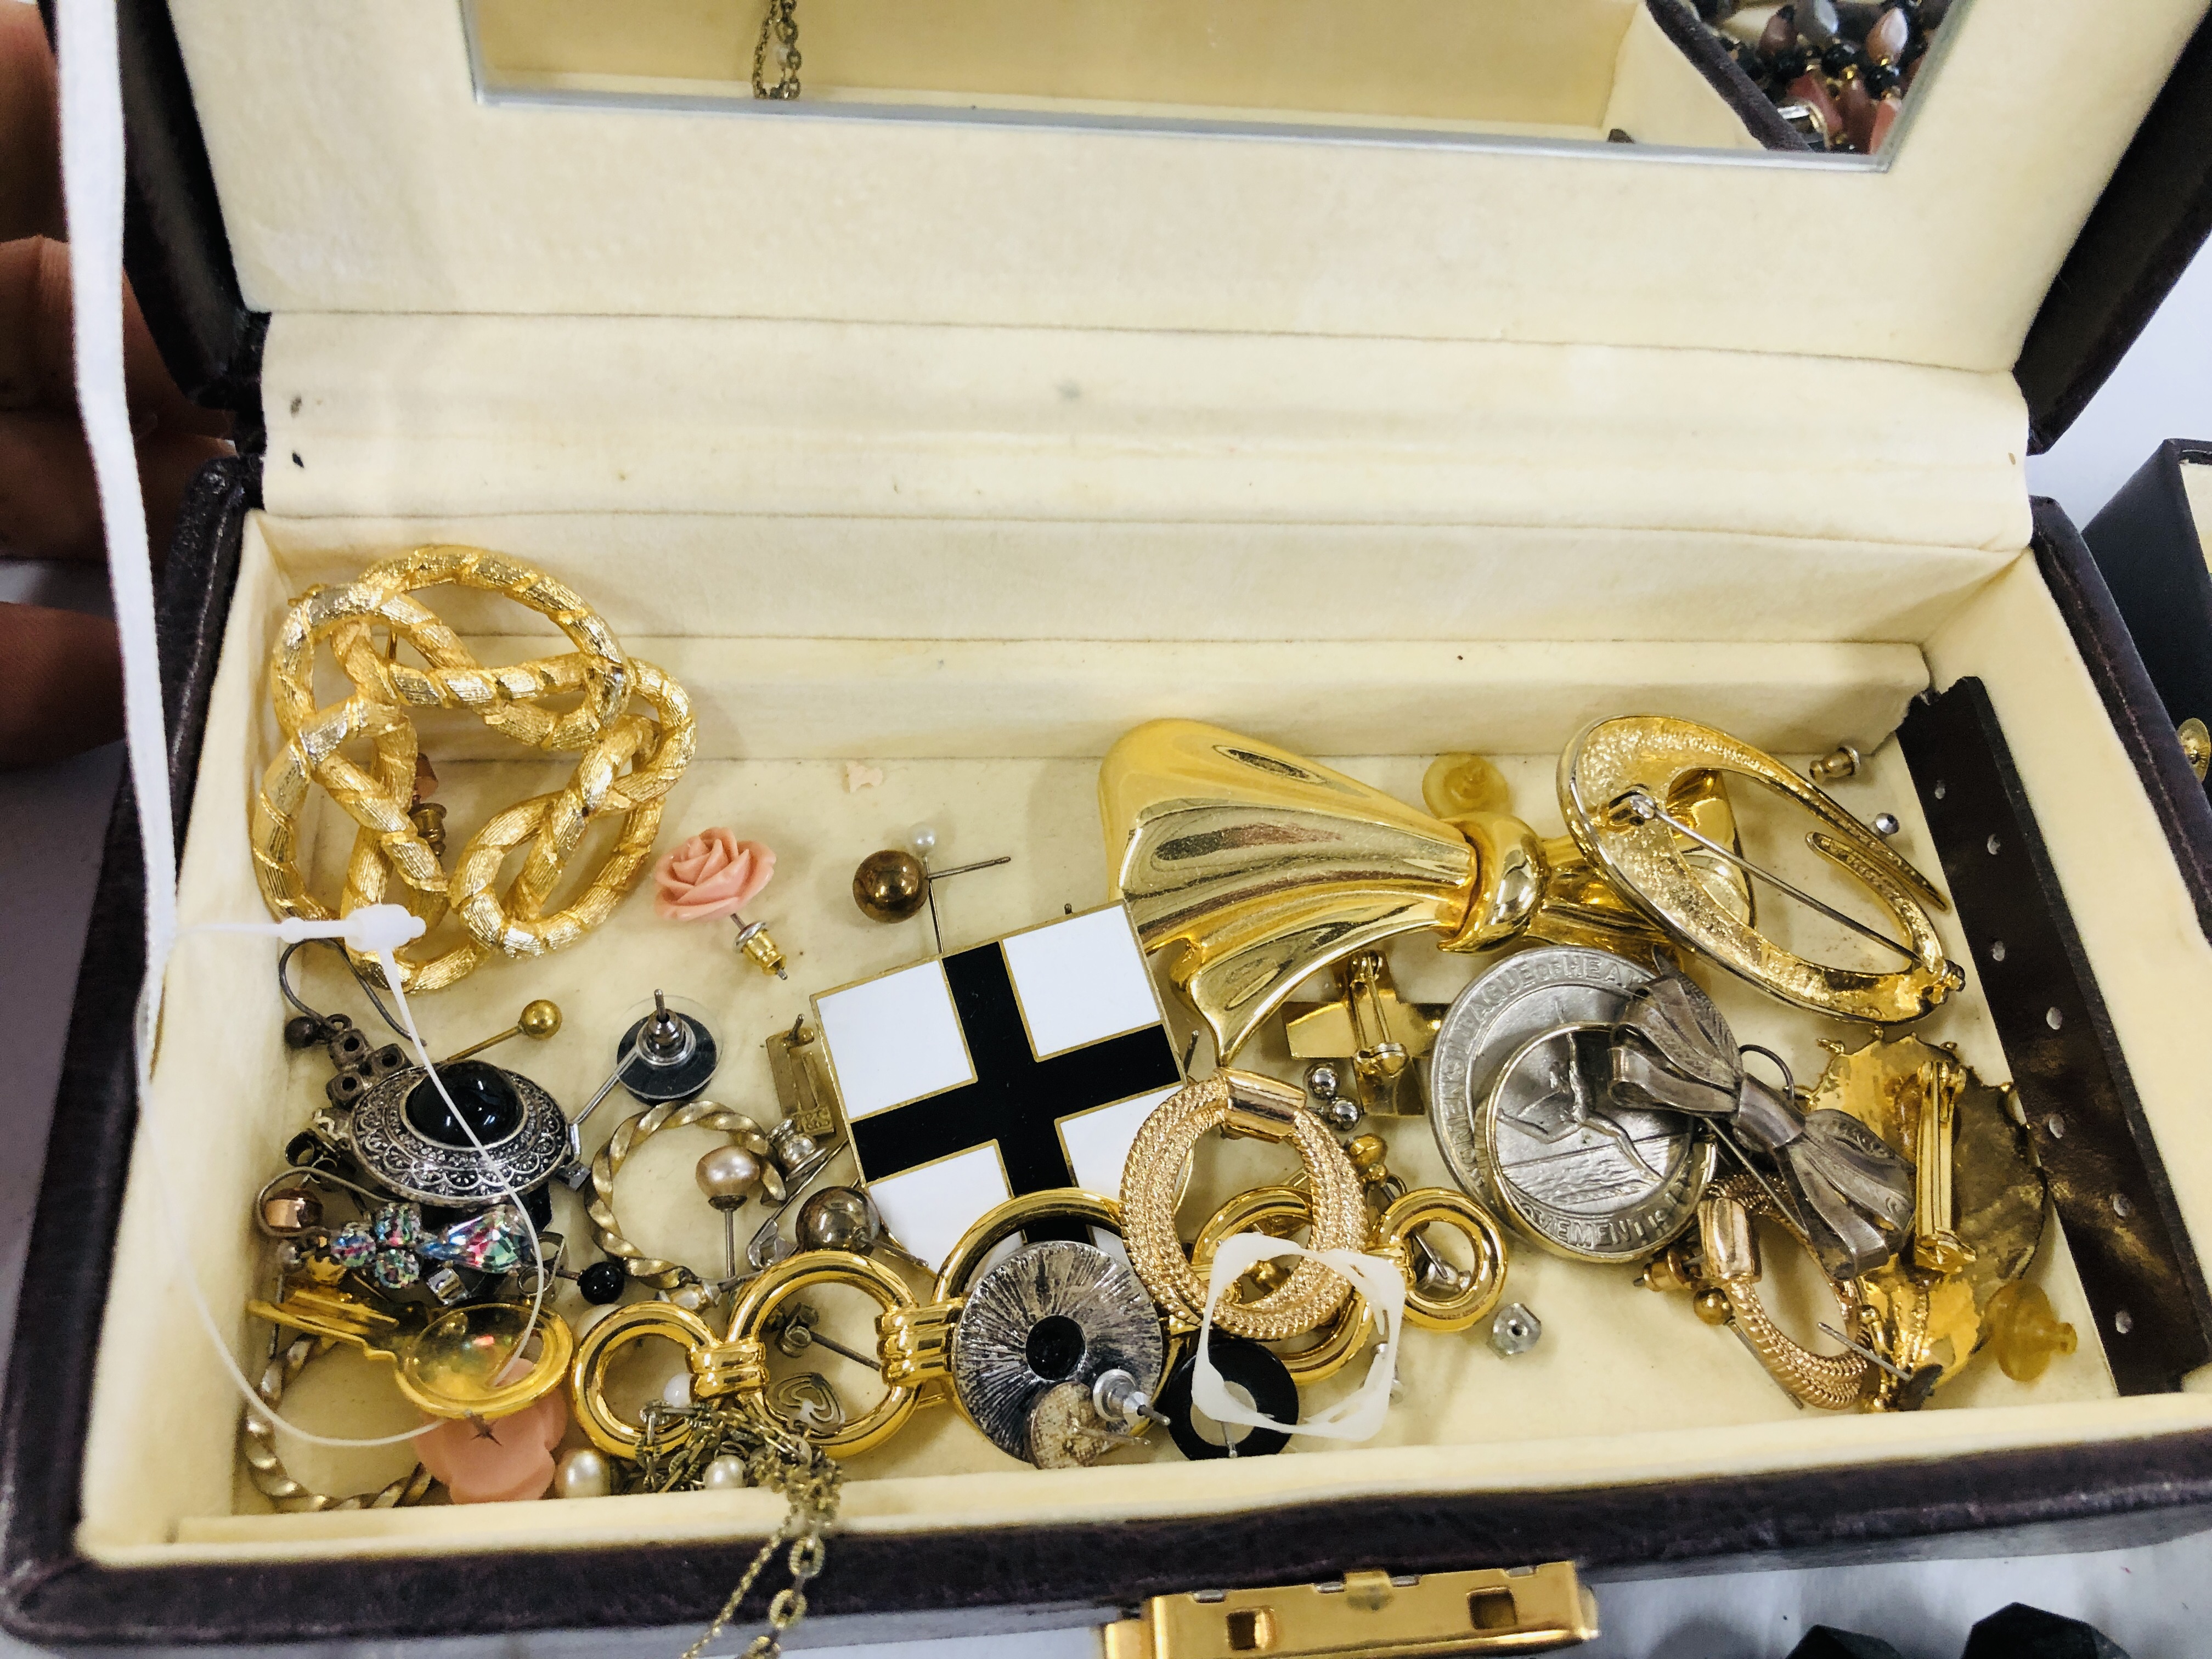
(1023, 1064)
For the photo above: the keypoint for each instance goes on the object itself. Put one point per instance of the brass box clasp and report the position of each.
(1368, 1615)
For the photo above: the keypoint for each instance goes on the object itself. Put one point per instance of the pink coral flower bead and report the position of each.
(712, 874)
(503, 1462)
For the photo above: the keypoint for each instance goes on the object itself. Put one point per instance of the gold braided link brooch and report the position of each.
(630, 728)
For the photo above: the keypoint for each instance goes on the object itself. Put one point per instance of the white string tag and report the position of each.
(1359, 1414)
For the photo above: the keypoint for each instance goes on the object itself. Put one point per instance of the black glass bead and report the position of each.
(486, 1100)
(1789, 65)
(1753, 62)
(602, 1281)
(2020, 1632)
(1915, 52)
(537, 1205)
(1825, 1642)
(303, 1031)
(1841, 56)
(1881, 81)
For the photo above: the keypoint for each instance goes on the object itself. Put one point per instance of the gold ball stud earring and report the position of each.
(890, 886)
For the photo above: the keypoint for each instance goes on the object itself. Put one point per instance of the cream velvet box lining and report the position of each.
(957, 448)
(1014, 774)
(1940, 257)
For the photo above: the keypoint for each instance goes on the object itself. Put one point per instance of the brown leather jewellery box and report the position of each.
(2150, 547)
(958, 430)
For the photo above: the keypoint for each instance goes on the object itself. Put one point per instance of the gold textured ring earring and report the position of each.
(1268, 1110)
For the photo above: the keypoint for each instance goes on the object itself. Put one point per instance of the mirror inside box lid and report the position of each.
(1831, 77)
(988, 1145)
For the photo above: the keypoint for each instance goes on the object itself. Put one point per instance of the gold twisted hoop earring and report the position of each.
(257, 1438)
(1273, 1111)
(604, 729)
(606, 1231)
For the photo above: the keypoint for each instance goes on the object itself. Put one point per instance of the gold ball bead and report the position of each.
(1367, 1153)
(1712, 1307)
(540, 1018)
(890, 886)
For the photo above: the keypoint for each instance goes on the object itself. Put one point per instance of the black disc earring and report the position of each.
(1245, 1365)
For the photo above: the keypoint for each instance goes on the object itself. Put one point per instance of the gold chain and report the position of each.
(811, 1480)
(780, 34)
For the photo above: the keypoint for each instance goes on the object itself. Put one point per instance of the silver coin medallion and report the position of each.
(1051, 1313)
(1607, 1190)
(1577, 1170)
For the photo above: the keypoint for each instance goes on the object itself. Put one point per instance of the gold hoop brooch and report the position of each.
(1722, 1272)
(1617, 781)
(1261, 1107)
(1279, 1211)
(630, 714)
(606, 1231)
(257, 1438)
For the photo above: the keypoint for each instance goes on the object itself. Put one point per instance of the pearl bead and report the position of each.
(921, 840)
(725, 1474)
(676, 1392)
(728, 1176)
(583, 1473)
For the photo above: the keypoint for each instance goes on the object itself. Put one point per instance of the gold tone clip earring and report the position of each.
(1256, 868)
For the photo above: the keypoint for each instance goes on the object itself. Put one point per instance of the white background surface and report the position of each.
(2152, 1601)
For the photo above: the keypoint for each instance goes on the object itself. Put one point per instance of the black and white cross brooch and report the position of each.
(1023, 1064)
